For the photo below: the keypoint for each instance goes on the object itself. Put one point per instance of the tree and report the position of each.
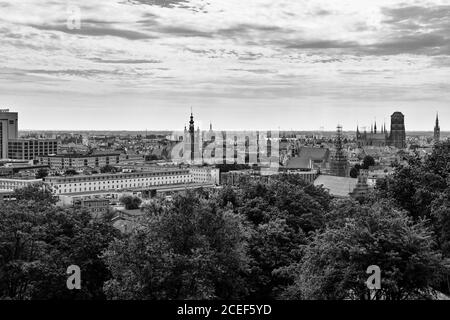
(358, 236)
(38, 241)
(187, 248)
(41, 173)
(70, 172)
(281, 213)
(108, 169)
(131, 203)
(354, 172)
(368, 162)
(35, 194)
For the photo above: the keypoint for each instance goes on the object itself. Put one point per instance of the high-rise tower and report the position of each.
(437, 130)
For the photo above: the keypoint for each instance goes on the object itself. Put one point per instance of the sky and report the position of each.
(254, 64)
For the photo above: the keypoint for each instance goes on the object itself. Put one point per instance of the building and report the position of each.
(30, 149)
(117, 181)
(6, 195)
(205, 174)
(339, 187)
(309, 158)
(80, 161)
(339, 165)
(95, 206)
(398, 134)
(396, 138)
(13, 183)
(362, 187)
(374, 138)
(8, 130)
(437, 130)
(192, 142)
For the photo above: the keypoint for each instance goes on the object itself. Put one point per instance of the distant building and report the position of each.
(437, 130)
(30, 149)
(396, 138)
(205, 174)
(309, 158)
(117, 181)
(96, 206)
(398, 133)
(339, 165)
(8, 130)
(13, 183)
(192, 141)
(339, 187)
(80, 161)
(362, 187)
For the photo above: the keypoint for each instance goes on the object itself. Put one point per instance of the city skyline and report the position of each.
(257, 65)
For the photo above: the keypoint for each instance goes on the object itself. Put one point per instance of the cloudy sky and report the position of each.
(254, 64)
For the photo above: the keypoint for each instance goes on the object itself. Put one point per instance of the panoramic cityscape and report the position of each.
(190, 150)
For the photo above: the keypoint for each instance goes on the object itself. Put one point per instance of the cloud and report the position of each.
(87, 29)
(124, 61)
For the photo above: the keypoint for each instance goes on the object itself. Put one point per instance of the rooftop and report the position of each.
(337, 186)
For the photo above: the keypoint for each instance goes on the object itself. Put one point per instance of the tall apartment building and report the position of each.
(8, 130)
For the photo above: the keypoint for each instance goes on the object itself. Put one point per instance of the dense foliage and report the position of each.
(281, 239)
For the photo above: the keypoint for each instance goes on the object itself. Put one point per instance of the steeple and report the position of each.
(437, 129)
(375, 128)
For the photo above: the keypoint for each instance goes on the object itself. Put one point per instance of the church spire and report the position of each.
(437, 129)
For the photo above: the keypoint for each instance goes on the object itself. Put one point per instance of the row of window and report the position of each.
(121, 186)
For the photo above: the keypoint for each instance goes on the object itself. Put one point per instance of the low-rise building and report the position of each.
(205, 174)
(30, 149)
(80, 161)
(117, 181)
(13, 183)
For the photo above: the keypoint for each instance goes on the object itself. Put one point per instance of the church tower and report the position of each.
(398, 132)
(339, 163)
(437, 130)
(191, 151)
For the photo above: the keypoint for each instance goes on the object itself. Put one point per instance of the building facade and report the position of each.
(80, 161)
(30, 149)
(116, 181)
(205, 175)
(8, 130)
(17, 183)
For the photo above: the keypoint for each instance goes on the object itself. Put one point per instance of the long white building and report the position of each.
(117, 181)
(17, 183)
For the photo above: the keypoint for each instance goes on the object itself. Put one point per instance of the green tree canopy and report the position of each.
(358, 236)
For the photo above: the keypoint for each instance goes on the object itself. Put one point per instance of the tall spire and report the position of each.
(375, 128)
(437, 129)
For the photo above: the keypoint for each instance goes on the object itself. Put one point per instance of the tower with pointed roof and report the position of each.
(437, 130)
